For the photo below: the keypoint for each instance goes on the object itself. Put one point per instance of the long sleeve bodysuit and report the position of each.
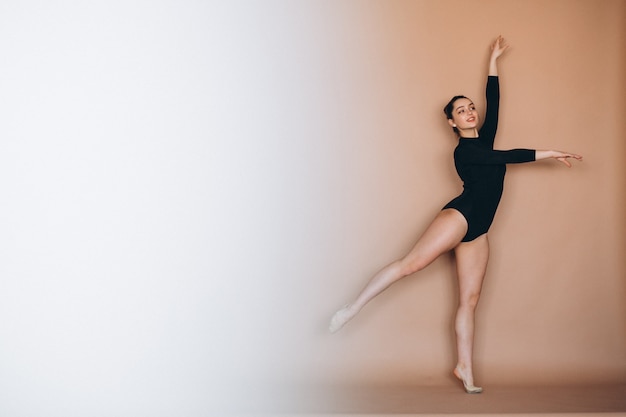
(482, 169)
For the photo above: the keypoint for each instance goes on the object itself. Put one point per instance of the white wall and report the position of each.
(189, 189)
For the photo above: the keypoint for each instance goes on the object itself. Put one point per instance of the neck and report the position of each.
(468, 133)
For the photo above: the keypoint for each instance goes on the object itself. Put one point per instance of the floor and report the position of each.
(605, 400)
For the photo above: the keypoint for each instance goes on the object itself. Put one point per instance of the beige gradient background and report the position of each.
(367, 164)
(191, 189)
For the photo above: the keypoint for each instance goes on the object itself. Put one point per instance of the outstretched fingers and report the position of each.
(564, 156)
(499, 46)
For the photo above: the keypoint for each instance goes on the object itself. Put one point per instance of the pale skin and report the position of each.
(444, 234)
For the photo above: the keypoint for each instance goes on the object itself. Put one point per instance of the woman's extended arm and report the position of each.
(481, 156)
(558, 155)
(497, 49)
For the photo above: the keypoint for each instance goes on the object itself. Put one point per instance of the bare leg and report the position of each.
(443, 234)
(471, 261)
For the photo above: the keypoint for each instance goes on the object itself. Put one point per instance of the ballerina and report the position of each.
(463, 223)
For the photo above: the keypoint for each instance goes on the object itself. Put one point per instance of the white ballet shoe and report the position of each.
(470, 389)
(340, 318)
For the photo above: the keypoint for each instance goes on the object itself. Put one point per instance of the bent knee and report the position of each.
(408, 267)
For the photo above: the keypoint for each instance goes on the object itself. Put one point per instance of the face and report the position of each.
(464, 114)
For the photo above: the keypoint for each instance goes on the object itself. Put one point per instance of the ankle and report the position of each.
(463, 372)
(461, 367)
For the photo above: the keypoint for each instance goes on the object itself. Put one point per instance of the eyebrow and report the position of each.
(460, 107)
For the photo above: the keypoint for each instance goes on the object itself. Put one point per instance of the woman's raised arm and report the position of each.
(497, 49)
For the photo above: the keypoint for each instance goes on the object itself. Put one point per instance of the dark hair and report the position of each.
(449, 107)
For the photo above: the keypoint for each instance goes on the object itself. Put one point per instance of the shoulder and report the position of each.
(464, 147)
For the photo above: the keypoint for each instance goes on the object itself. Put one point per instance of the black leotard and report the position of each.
(482, 169)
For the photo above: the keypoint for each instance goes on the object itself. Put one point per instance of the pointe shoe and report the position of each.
(340, 318)
(470, 389)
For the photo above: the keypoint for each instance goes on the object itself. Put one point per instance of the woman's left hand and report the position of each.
(558, 155)
(498, 47)
(563, 157)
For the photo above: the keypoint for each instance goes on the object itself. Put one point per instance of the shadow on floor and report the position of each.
(442, 400)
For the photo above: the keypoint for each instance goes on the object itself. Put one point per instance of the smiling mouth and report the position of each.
(471, 119)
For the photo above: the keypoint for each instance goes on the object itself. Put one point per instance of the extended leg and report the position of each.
(443, 234)
(471, 259)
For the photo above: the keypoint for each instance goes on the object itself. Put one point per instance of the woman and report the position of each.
(463, 223)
